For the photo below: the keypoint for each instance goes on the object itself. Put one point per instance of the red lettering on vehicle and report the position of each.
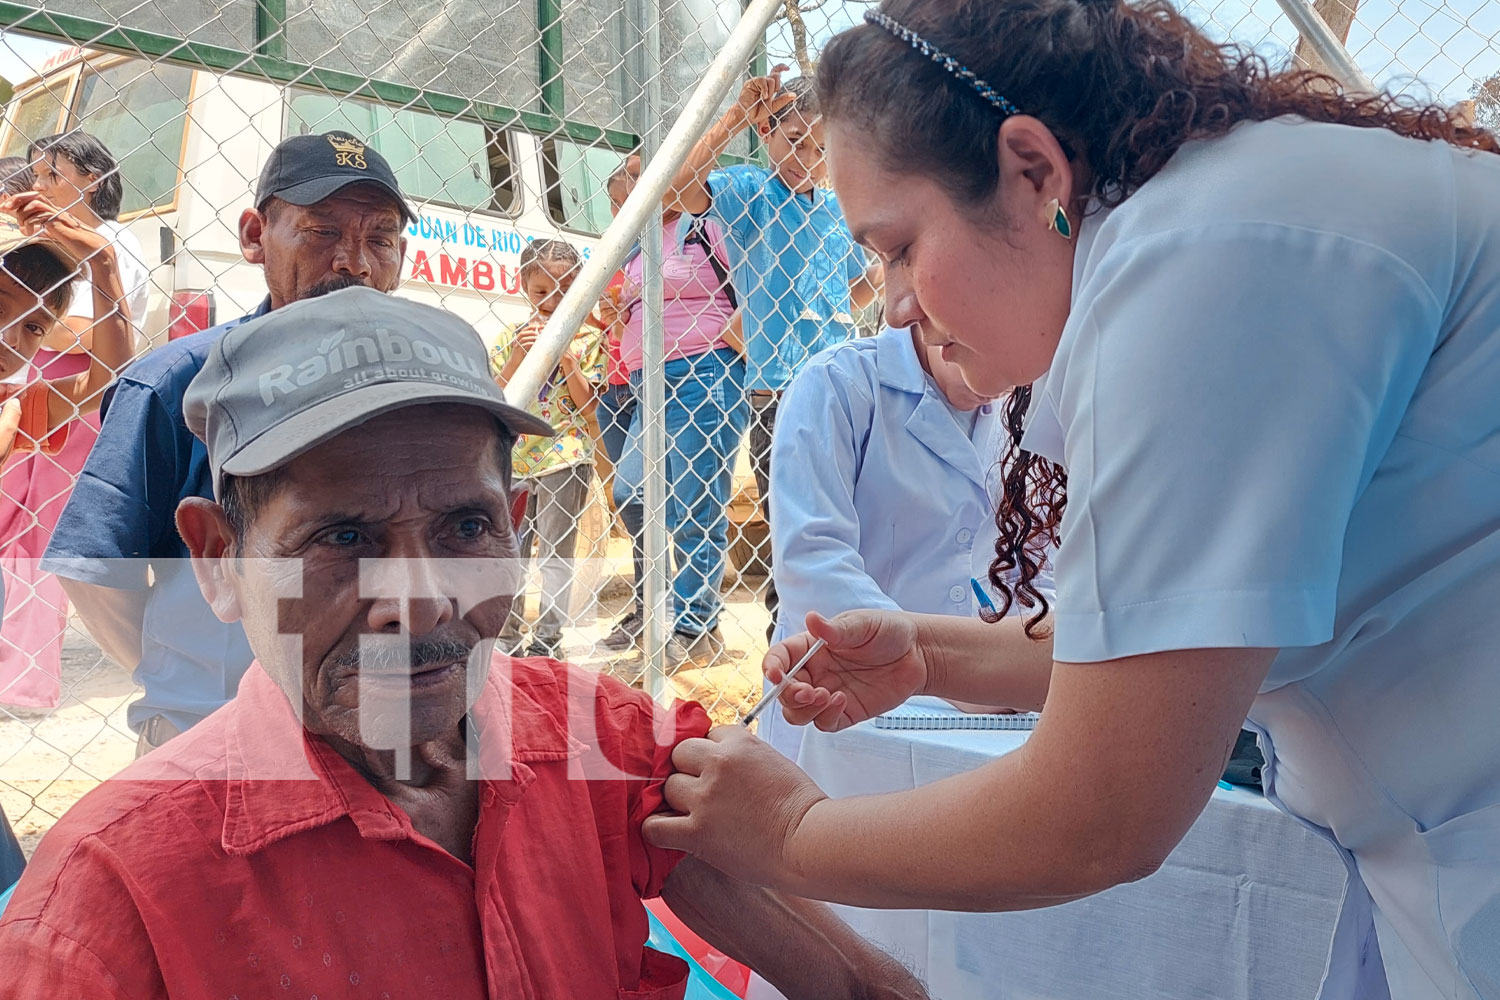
(421, 266)
(510, 281)
(454, 273)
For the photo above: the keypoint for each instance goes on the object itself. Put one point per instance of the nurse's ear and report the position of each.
(1036, 175)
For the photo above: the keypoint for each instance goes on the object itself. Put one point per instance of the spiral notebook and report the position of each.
(931, 717)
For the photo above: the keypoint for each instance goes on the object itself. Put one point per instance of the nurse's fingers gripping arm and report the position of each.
(737, 812)
(689, 756)
(1124, 759)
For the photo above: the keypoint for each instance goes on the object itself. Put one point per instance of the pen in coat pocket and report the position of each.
(984, 599)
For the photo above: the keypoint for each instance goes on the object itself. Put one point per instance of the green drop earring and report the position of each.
(1057, 219)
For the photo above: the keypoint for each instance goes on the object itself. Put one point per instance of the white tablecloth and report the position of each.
(1243, 908)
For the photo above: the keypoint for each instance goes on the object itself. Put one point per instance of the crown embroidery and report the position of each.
(348, 151)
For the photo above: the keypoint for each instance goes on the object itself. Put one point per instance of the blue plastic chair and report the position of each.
(701, 986)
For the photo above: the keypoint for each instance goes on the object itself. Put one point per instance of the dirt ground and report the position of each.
(50, 759)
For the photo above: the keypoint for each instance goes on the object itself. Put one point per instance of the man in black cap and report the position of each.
(328, 214)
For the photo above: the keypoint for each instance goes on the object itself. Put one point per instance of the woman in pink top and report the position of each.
(706, 413)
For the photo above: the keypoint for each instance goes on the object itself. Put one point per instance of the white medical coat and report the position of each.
(1277, 397)
(880, 498)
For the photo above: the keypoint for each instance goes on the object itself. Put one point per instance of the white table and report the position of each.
(1243, 909)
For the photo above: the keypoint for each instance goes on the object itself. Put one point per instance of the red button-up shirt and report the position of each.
(248, 859)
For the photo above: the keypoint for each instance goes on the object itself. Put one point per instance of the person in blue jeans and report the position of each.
(795, 265)
(705, 417)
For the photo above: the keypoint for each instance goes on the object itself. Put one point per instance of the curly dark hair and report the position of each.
(1122, 86)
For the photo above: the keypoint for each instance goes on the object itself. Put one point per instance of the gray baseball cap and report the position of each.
(284, 383)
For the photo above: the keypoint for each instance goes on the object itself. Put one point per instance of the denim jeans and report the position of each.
(11, 858)
(615, 410)
(706, 413)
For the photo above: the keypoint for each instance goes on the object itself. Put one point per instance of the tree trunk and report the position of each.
(800, 50)
(1340, 17)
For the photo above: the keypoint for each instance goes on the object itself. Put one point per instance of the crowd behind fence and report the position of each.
(515, 132)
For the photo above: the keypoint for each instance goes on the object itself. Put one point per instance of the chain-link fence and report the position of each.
(511, 129)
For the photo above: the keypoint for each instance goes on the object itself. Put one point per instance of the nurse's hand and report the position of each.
(735, 803)
(872, 663)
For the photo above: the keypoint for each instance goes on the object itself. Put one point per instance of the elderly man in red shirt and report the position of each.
(388, 808)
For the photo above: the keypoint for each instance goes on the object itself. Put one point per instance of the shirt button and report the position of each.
(956, 595)
(964, 534)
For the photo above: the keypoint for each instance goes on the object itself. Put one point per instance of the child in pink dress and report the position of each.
(47, 427)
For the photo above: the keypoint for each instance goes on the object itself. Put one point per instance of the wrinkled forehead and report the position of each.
(367, 201)
(419, 459)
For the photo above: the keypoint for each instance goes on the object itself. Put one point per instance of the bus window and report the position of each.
(38, 113)
(576, 176)
(502, 174)
(448, 161)
(139, 111)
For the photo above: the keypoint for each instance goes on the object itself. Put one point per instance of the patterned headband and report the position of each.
(942, 58)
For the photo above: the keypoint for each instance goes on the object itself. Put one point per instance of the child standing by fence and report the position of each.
(557, 471)
(798, 272)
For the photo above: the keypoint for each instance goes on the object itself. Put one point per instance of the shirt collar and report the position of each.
(896, 361)
(282, 780)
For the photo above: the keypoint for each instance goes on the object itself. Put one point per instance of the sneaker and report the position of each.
(550, 649)
(685, 647)
(626, 633)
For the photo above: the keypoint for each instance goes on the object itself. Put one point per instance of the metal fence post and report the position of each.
(1320, 37)
(653, 403)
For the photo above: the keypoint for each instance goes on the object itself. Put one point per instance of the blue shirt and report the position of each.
(1277, 396)
(792, 261)
(121, 517)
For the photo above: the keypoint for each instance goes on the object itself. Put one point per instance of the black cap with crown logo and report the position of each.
(305, 169)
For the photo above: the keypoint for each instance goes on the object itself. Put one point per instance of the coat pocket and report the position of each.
(1465, 852)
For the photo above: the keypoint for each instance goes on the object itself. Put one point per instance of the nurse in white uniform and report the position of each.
(885, 473)
(1262, 326)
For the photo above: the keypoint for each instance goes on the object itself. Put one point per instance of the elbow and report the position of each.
(1116, 860)
(686, 195)
(1122, 867)
(1095, 865)
(676, 192)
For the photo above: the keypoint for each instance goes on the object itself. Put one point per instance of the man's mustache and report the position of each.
(390, 658)
(335, 284)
